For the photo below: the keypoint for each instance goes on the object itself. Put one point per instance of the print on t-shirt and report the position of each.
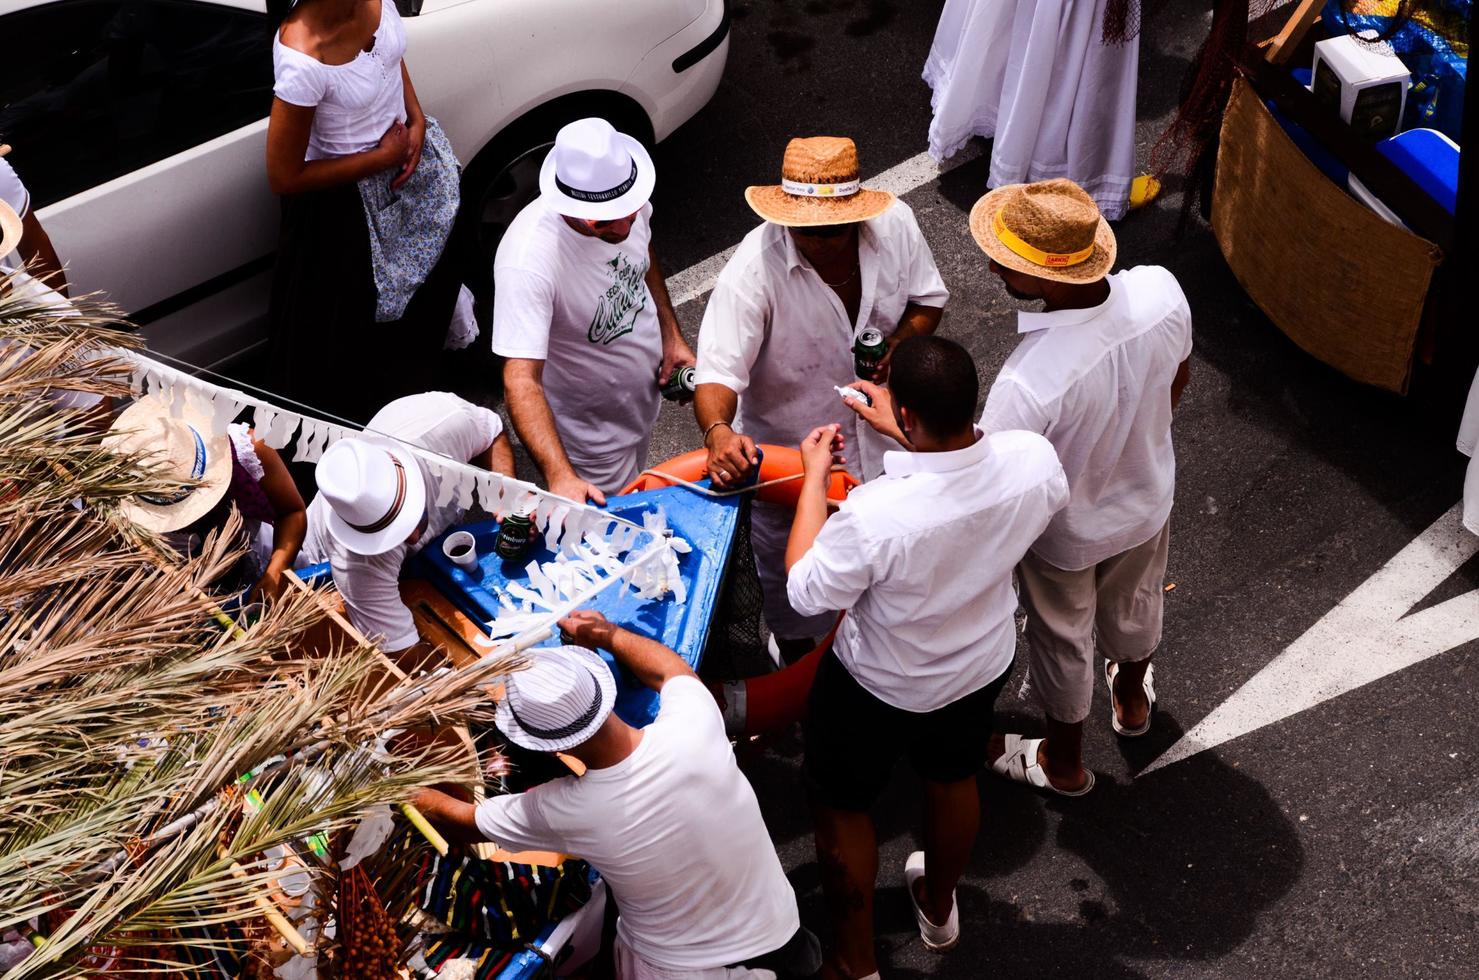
(626, 297)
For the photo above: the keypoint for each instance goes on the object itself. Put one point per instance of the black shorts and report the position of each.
(853, 739)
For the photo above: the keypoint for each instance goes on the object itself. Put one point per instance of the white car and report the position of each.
(140, 128)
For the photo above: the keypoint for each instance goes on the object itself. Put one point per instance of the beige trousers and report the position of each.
(1116, 607)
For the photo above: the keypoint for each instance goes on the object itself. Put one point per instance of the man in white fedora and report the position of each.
(663, 812)
(1098, 372)
(581, 313)
(831, 260)
(372, 509)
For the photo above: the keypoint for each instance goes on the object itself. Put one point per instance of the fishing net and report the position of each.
(736, 647)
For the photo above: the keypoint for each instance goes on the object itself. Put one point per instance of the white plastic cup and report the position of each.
(462, 548)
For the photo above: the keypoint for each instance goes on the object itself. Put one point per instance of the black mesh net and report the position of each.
(737, 639)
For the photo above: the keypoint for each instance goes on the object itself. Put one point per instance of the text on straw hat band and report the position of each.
(196, 472)
(596, 197)
(395, 506)
(844, 188)
(1035, 255)
(564, 731)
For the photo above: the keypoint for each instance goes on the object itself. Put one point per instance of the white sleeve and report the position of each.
(297, 79)
(835, 572)
(370, 586)
(926, 287)
(686, 704)
(12, 191)
(473, 431)
(730, 337)
(1010, 406)
(523, 308)
(516, 822)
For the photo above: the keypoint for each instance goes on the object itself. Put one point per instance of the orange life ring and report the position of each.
(779, 462)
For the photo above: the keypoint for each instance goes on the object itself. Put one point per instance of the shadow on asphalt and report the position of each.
(1180, 866)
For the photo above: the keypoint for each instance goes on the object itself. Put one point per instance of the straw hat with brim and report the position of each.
(10, 229)
(596, 173)
(375, 490)
(558, 701)
(1051, 230)
(819, 186)
(182, 446)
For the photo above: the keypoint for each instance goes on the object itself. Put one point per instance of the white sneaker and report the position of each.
(937, 939)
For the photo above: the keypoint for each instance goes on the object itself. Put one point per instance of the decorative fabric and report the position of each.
(409, 227)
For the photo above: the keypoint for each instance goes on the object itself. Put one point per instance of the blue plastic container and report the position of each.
(1430, 158)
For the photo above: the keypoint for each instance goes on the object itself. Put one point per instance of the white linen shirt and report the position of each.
(777, 335)
(676, 831)
(922, 559)
(437, 421)
(1097, 383)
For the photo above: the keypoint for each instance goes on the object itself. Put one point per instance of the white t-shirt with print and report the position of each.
(675, 830)
(582, 306)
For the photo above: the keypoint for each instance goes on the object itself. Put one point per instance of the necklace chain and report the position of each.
(856, 269)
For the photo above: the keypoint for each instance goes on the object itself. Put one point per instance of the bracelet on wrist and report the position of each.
(712, 426)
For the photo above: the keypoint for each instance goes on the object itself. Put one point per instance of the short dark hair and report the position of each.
(936, 380)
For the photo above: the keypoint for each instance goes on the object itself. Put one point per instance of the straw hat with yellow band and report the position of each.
(1051, 229)
(819, 186)
(182, 447)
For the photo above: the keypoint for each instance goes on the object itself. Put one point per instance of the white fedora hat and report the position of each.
(184, 450)
(376, 493)
(596, 173)
(558, 701)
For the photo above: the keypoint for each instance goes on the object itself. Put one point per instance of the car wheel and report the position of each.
(507, 193)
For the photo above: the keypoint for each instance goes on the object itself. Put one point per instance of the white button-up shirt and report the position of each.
(779, 337)
(370, 584)
(922, 559)
(1097, 383)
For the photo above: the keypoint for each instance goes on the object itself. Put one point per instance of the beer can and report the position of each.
(868, 352)
(680, 385)
(516, 533)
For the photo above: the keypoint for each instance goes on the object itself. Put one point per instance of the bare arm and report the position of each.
(289, 527)
(454, 818)
(818, 451)
(917, 321)
(1178, 383)
(523, 385)
(415, 131)
(649, 661)
(675, 350)
(499, 457)
(287, 141)
(35, 247)
(731, 455)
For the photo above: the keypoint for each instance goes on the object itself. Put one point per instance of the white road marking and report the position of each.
(1366, 637)
(696, 280)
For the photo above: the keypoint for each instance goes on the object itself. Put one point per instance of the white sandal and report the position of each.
(1111, 671)
(1019, 764)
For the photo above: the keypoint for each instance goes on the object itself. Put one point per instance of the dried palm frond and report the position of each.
(128, 715)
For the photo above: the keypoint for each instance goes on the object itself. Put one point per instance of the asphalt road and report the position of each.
(1342, 841)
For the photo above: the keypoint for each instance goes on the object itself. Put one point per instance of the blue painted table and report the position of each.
(706, 523)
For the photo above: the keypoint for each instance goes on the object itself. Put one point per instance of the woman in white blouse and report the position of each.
(366, 270)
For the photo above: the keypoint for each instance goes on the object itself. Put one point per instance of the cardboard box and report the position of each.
(1363, 81)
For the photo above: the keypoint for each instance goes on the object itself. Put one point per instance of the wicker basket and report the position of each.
(1342, 283)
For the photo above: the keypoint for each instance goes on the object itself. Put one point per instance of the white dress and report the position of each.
(1037, 78)
(1468, 444)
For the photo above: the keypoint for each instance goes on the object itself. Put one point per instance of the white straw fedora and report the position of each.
(596, 173)
(376, 493)
(558, 701)
(184, 449)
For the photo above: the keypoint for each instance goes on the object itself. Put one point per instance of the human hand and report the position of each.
(269, 586)
(675, 354)
(572, 487)
(820, 449)
(394, 145)
(415, 141)
(880, 373)
(586, 628)
(879, 415)
(731, 457)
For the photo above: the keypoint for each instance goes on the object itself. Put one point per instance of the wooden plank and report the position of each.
(1281, 48)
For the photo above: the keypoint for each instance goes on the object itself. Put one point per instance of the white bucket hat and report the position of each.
(596, 173)
(376, 493)
(182, 446)
(558, 701)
